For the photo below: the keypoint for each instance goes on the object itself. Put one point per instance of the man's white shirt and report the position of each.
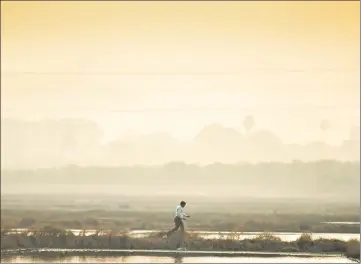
(180, 212)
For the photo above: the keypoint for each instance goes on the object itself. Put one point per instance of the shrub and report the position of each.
(26, 222)
(305, 241)
(353, 249)
(268, 237)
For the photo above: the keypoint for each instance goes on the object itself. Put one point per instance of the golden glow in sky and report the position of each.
(224, 60)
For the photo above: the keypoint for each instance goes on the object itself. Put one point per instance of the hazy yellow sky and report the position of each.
(227, 59)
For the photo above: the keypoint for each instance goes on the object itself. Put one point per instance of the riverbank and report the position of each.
(58, 239)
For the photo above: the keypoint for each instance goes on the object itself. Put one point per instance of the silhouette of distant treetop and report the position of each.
(248, 123)
(325, 125)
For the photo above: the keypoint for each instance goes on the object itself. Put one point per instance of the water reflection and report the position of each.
(152, 259)
(341, 223)
(178, 260)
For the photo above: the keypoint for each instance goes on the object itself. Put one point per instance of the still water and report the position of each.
(152, 259)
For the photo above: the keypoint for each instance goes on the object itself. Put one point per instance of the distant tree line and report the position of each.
(327, 177)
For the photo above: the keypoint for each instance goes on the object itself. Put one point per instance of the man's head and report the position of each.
(183, 203)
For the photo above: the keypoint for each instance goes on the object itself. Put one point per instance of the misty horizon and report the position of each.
(63, 142)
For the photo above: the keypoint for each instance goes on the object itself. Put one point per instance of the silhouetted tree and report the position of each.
(325, 126)
(248, 123)
(355, 133)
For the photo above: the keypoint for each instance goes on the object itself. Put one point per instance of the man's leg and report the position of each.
(177, 222)
(182, 233)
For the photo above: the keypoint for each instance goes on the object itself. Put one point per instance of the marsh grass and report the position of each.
(52, 237)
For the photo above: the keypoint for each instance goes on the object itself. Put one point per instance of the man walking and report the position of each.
(178, 221)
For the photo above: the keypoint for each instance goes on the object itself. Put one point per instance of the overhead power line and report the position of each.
(240, 72)
(259, 109)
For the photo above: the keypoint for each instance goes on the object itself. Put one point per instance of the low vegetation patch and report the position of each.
(49, 237)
